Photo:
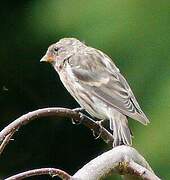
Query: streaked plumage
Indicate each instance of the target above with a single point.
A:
(96, 83)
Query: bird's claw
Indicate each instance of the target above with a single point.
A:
(100, 130)
(78, 122)
(75, 122)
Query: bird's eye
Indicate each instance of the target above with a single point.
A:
(56, 49)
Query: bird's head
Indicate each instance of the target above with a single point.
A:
(57, 53)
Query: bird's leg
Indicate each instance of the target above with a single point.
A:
(78, 110)
(100, 123)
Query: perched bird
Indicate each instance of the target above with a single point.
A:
(95, 82)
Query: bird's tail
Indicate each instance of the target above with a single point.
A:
(119, 126)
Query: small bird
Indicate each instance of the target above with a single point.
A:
(95, 82)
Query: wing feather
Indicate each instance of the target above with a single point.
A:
(104, 81)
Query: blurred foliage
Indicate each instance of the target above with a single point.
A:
(136, 33)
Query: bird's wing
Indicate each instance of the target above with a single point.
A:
(103, 80)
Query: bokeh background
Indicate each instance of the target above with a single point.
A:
(135, 33)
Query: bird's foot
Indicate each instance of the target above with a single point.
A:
(97, 136)
(78, 110)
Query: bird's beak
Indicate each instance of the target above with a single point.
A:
(47, 58)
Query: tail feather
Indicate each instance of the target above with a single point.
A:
(119, 126)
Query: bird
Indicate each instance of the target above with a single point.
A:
(95, 82)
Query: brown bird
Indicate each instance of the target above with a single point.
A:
(95, 82)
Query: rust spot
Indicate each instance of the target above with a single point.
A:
(50, 58)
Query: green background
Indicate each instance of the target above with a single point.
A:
(135, 33)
